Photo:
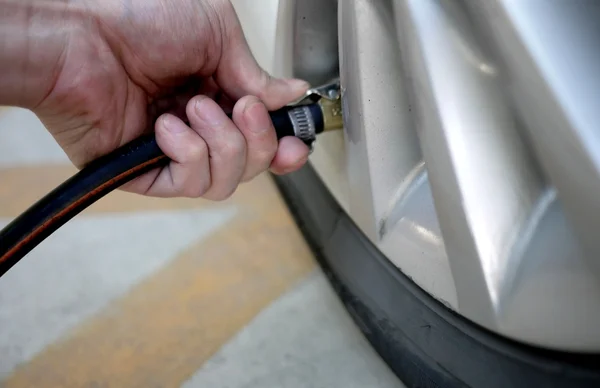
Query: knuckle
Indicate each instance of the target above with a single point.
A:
(179, 190)
(264, 157)
(203, 187)
(196, 150)
(262, 81)
(220, 193)
(251, 175)
(195, 189)
(233, 148)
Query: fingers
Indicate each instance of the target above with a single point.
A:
(211, 156)
(188, 173)
(252, 118)
(291, 155)
(226, 146)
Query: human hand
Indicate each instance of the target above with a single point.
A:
(129, 67)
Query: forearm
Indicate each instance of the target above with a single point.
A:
(34, 37)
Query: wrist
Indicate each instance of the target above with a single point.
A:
(34, 38)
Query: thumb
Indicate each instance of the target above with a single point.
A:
(239, 75)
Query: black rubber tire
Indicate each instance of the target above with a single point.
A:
(425, 343)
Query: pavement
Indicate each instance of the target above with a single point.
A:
(147, 292)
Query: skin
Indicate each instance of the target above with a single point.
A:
(99, 73)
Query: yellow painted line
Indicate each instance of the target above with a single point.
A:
(168, 326)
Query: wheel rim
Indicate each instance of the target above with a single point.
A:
(464, 127)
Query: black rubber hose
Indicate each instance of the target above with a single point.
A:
(93, 182)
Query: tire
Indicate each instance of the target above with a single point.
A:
(424, 342)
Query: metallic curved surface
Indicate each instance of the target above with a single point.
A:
(470, 155)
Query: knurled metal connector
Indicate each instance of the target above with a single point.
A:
(327, 99)
(303, 123)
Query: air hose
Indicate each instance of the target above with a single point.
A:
(111, 171)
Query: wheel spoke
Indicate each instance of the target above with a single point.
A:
(470, 153)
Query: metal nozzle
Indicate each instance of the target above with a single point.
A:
(319, 110)
(328, 98)
(332, 114)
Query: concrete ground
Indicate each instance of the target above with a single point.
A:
(142, 292)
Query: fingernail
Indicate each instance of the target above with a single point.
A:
(172, 125)
(210, 112)
(249, 104)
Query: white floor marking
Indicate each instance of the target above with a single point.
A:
(304, 339)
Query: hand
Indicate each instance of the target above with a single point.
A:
(134, 66)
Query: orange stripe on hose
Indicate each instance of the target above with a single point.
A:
(73, 205)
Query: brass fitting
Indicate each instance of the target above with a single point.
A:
(328, 98)
(332, 113)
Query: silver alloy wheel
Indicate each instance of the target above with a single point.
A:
(470, 155)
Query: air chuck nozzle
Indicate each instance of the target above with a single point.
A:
(331, 110)
(320, 110)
